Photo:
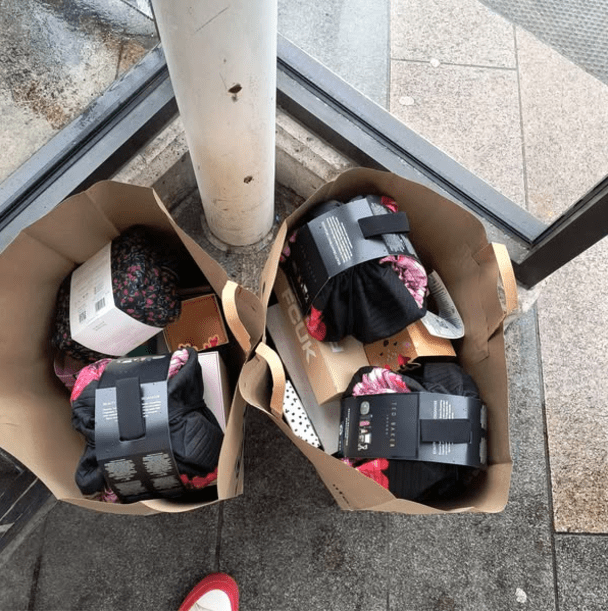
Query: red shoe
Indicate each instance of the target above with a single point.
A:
(216, 592)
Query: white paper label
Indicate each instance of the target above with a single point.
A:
(95, 322)
(443, 410)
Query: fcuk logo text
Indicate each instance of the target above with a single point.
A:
(296, 320)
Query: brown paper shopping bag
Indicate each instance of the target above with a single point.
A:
(35, 410)
(479, 278)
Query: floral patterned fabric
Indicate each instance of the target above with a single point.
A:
(144, 285)
(423, 482)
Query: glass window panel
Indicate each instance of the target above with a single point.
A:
(56, 58)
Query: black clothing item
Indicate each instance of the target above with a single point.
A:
(420, 481)
(368, 301)
(196, 437)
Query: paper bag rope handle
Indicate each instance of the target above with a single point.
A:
(232, 315)
(277, 373)
(507, 275)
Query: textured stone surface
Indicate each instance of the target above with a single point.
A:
(350, 37)
(18, 572)
(101, 561)
(575, 358)
(576, 28)
(54, 60)
(565, 126)
(582, 572)
(462, 33)
(470, 113)
(287, 543)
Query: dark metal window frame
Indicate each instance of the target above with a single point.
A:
(138, 105)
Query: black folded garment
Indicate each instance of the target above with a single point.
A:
(370, 301)
(420, 481)
(144, 286)
(196, 437)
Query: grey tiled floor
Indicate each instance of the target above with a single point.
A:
(284, 539)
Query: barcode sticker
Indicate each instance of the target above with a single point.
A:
(95, 321)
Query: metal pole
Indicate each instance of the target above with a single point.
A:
(222, 63)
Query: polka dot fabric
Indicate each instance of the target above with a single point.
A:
(423, 482)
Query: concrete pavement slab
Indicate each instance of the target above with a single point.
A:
(464, 33)
(289, 545)
(18, 572)
(574, 357)
(92, 560)
(565, 126)
(349, 36)
(582, 572)
(576, 28)
(470, 113)
(490, 562)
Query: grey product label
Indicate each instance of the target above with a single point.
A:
(129, 489)
(139, 468)
(387, 426)
(158, 465)
(381, 426)
(451, 407)
(165, 483)
(340, 241)
(396, 243)
(121, 470)
(331, 244)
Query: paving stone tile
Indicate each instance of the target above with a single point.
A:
(470, 113)
(582, 572)
(459, 33)
(98, 561)
(350, 37)
(565, 126)
(574, 359)
(576, 28)
(18, 572)
(289, 545)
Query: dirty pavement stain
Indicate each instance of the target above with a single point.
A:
(57, 57)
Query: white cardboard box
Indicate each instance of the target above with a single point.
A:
(216, 386)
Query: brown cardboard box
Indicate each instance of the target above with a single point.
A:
(413, 342)
(453, 242)
(325, 417)
(35, 410)
(330, 366)
(200, 325)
